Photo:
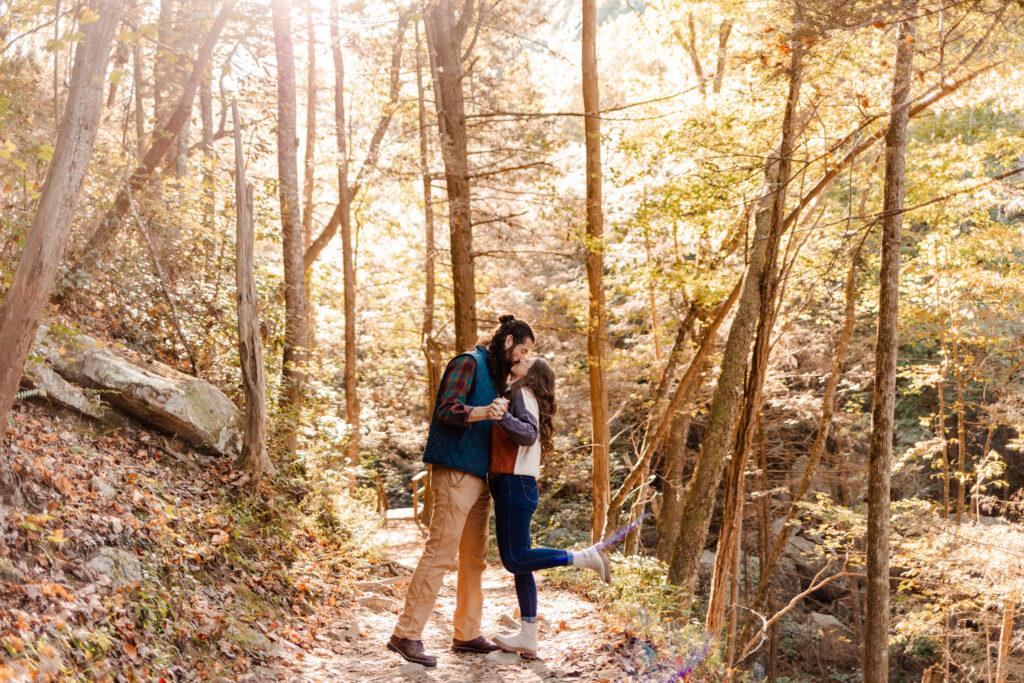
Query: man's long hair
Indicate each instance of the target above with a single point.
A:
(498, 364)
(540, 380)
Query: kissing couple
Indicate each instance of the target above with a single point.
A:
(491, 424)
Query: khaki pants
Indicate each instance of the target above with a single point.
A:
(458, 526)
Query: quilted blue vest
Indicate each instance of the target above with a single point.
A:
(466, 448)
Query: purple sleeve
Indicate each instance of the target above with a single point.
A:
(519, 423)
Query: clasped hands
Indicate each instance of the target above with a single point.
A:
(497, 409)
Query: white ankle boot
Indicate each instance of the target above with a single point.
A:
(523, 643)
(593, 558)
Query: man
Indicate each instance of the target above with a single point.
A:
(459, 448)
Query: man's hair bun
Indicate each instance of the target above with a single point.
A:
(507, 318)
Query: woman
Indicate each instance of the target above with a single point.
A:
(518, 440)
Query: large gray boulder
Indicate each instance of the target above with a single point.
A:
(152, 392)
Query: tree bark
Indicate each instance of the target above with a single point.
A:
(162, 141)
(672, 486)
(687, 386)
(940, 390)
(876, 623)
(444, 38)
(1005, 639)
(254, 459)
(206, 113)
(430, 346)
(370, 161)
(691, 48)
(309, 171)
(292, 375)
(138, 81)
(33, 279)
(596, 322)
(724, 29)
(428, 343)
(828, 405)
(658, 408)
(729, 538)
(961, 428)
(718, 439)
(348, 262)
(163, 59)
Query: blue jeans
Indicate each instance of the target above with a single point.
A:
(515, 501)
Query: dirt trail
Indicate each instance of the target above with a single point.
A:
(575, 645)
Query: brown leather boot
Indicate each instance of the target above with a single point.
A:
(412, 650)
(478, 645)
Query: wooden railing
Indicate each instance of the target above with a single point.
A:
(418, 490)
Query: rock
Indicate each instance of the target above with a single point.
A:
(826, 622)
(508, 621)
(120, 566)
(155, 393)
(349, 633)
(9, 573)
(410, 669)
(56, 389)
(249, 638)
(376, 603)
(502, 658)
(100, 486)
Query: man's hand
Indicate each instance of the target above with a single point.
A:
(494, 411)
(497, 409)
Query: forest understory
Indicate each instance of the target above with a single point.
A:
(771, 252)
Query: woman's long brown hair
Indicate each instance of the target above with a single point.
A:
(540, 380)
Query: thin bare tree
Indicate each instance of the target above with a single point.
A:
(883, 400)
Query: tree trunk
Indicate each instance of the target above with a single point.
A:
(596, 322)
(685, 390)
(138, 81)
(1005, 639)
(206, 112)
(309, 175)
(724, 29)
(444, 38)
(729, 538)
(876, 623)
(659, 404)
(348, 262)
(961, 428)
(253, 460)
(672, 485)
(718, 439)
(691, 48)
(940, 390)
(163, 57)
(46, 241)
(161, 142)
(292, 377)
(56, 61)
(431, 348)
(372, 154)
(774, 558)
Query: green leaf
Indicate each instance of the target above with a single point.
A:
(88, 16)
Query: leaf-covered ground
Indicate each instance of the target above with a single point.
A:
(133, 558)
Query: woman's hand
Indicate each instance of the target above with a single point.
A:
(497, 409)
